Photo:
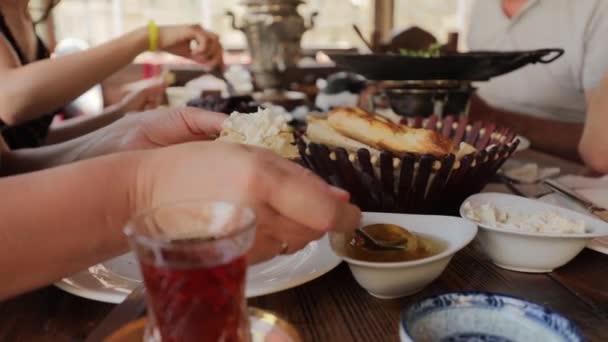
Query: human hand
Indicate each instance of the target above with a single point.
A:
(141, 95)
(292, 205)
(152, 129)
(177, 39)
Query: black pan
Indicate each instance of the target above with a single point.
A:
(469, 66)
(421, 102)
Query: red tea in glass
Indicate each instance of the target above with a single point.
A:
(192, 257)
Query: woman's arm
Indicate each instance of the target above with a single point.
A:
(148, 96)
(593, 146)
(31, 90)
(34, 159)
(59, 221)
(45, 216)
(151, 129)
(554, 137)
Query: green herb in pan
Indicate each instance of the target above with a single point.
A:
(432, 51)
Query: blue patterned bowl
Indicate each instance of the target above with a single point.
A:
(487, 317)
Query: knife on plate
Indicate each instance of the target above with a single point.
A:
(130, 309)
(594, 209)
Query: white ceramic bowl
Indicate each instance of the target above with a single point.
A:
(179, 96)
(531, 252)
(479, 316)
(397, 279)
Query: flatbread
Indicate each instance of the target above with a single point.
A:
(357, 124)
(319, 131)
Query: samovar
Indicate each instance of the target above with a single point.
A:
(274, 30)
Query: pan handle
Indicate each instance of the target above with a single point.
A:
(557, 53)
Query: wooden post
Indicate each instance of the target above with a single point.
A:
(383, 22)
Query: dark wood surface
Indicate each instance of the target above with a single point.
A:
(335, 308)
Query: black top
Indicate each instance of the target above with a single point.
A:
(32, 133)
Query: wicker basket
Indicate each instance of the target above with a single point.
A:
(415, 183)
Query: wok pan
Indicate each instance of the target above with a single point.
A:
(469, 66)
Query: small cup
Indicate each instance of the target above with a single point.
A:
(192, 258)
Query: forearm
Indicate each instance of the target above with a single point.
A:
(34, 159)
(36, 88)
(100, 142)
(554, 137)
(79, 126)
(593, 146)
(59, 221)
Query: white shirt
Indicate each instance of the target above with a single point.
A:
(551, 91)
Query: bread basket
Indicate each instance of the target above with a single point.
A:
(415, 183)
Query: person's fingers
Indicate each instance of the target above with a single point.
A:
(163, 127)
(203, 39)
(299, 171)
(158, 94)
(297, 199)
(208, 50)
(214, 50)
(210, 47)
(264, 248)
(202, 122)
(294, 235)
(216, 62)
(300, 196)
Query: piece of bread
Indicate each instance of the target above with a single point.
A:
(319, 131)
(381, 134)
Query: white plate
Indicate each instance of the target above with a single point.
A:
(113, 280)
(524, 144)
(598, 244)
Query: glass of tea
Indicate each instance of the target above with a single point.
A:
(192, 258)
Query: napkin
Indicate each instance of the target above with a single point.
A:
(530, 173)
(595, 190)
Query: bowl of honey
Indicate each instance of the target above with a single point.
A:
(431, 242)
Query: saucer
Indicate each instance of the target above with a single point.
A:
(265, 327)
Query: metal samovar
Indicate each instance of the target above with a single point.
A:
(274, 30)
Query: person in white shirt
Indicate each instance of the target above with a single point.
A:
(560, 106)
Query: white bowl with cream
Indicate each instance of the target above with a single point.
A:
(398, 279)
(550, 237)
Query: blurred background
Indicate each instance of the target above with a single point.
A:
(384, 24)
(96, 21)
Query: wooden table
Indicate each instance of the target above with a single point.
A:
(335, 308)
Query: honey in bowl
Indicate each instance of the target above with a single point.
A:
(418, 246)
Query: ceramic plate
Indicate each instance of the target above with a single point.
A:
(113, 280)
(524, 144)
(598, 244)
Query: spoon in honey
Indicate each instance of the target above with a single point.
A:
(392, 240)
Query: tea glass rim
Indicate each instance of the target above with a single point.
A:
(130, 229)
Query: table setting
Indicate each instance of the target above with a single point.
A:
(423, 271)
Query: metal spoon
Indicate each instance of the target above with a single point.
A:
(591, 207)
(397, 245)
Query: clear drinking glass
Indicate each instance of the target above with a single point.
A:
(192, 258)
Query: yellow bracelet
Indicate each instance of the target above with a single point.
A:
(152, 36)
